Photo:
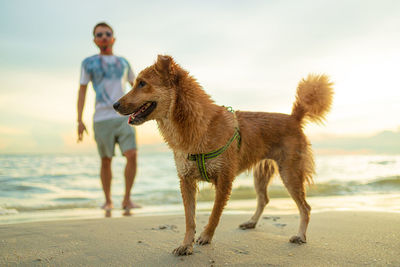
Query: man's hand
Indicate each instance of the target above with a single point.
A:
(81, 130)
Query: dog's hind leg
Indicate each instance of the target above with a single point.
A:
(223, 191)
(294, 179)
(263, 172)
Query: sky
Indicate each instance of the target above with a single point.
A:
(246, 54)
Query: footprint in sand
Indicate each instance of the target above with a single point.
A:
(280, 225)
(274, 218)
(240, 251)
(166, 227)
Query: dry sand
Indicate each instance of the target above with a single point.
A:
(334, 239)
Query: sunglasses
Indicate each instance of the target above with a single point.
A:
(100, 34)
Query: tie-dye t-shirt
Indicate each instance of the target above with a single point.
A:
(109, 76)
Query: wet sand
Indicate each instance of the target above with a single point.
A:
(337, 238)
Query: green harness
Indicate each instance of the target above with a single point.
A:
(200, 158)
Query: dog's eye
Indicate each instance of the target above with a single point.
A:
(141, 84)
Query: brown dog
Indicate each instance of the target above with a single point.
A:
(191, 123)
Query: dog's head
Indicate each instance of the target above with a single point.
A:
(152, 92)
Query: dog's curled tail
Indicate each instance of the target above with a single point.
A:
(313, 99)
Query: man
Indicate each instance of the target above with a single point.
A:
(109, 75)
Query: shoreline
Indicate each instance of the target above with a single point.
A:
(373, 203)
(338, 238)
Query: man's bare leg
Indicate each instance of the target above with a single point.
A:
(106, 176)
(130, 173)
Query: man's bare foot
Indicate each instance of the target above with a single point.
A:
(128, 205)
(107, 206)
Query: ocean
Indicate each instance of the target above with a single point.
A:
(56, 187)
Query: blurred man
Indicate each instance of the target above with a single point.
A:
(109, 75)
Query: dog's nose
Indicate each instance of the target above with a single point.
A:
(116, 105)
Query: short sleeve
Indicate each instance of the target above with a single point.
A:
(85, 76)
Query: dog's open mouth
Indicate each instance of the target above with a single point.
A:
(141, 113)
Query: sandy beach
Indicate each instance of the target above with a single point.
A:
(337, 238)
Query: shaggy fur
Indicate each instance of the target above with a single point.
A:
(191, 123)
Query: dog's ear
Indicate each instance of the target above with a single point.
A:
(164, 64)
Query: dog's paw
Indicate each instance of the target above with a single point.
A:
(248, 225)
(203, 239)
(298, 240)
(183, 250)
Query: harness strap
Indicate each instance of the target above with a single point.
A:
(200, 158)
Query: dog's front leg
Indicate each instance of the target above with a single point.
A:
(189, 192)
(223, 191)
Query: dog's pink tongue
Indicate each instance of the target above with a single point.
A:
(132, 116)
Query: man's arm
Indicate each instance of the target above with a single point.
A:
(81, 104)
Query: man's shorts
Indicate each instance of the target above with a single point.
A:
(111, 131)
